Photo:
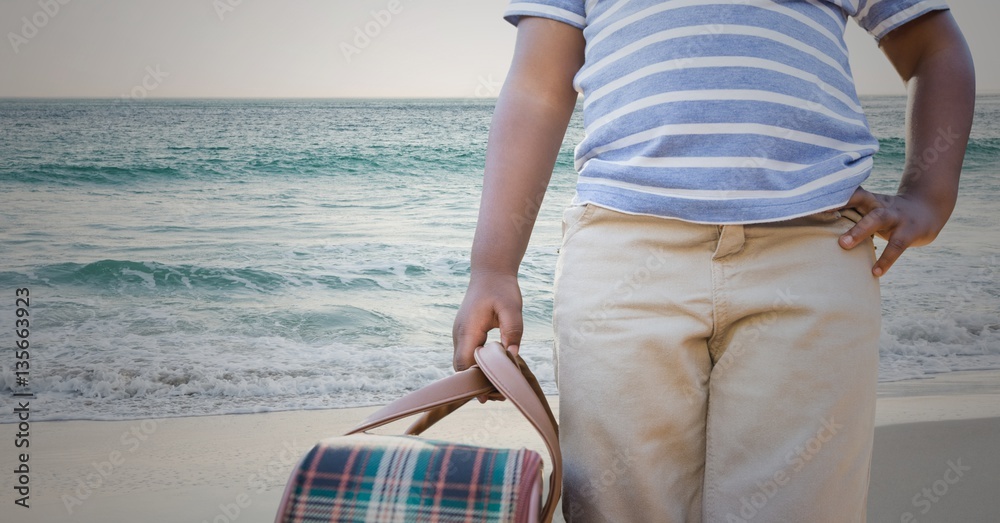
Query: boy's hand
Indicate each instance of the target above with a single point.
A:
(492, 301)
(933, 60)
(903, 221)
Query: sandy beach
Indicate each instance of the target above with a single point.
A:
(937, 458)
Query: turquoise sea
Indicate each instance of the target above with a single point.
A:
(192, 257)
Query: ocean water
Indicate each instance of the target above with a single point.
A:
(193, 257)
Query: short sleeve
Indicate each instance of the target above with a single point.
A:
(571, 12)
(879, 17)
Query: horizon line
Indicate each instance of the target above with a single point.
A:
(161, 98)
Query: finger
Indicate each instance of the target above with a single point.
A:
(511, 328)
(862, 200)
(876, 220)
(464, 354)
(466, 338)
(893, 250)
(493, 396)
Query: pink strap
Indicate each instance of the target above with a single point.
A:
(503, 372)
(455, 389)
(495, 370)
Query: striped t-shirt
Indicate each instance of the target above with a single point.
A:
(721, 111)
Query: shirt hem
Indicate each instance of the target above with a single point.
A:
(840, 204)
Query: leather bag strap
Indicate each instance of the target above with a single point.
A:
(495, 370)
(512, 378)
(451, 392)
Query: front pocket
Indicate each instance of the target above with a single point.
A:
(573, 217)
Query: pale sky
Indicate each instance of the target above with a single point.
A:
(272, 48)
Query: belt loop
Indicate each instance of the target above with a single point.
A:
(731, 241)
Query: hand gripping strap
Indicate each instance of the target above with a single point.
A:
(496, 369)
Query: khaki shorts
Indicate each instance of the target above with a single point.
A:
(714, 373)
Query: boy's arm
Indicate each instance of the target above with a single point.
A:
(529, 122)
(931, 56)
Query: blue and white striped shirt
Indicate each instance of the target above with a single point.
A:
(721, 111)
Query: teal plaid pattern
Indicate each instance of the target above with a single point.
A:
(374, 479)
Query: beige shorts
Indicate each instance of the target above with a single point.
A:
(714, 373)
